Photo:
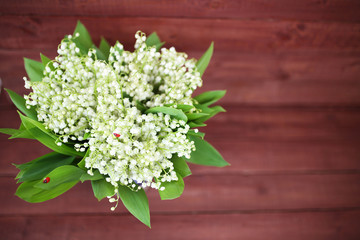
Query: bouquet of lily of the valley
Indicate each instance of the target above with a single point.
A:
(123, 120)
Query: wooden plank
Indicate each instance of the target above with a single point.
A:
(222, 192)
(268, 124)
(246, 157)
(285, 124)
(186, 34)
(336, 10)
(285, 78)
(296, 226)
(253, 140)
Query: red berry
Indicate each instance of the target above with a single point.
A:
(46, 180)
(116, 135)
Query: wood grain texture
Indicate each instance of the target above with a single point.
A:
(302, 78)
(292, 72)
(281, 124)
(205, 193)
(334, 10)
(246, 157)
(253, 140)
(296, 226)
(185, 34)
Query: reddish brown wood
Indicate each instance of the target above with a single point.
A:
(285, 78)
(186, 34)
(246, 157)
(297, 226)
(222, 192)
(285, 124)
(291, 131)
(268, 124)
(253, 140)
(335, 10)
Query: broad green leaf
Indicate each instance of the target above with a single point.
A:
(205, 59)
(42, 166)
(99, 54)
(173, 189)
(102, 188)
(205, 154)
(154, 40)
(105, 47)
(60, 175)
(9, 131)
(137, 203)
(19, 102)
(213, 111)
(22, 168)
(83, 42)
(29, 193)
(30, 123)
(173, 112)
(196, 124)
(44, 59)
(97, 176)
(195, 116)
(34, 69)
(23, 165)
(22, 134)
(185, 108)
(81, 164)
(208, 98)
(180, 166)
(41, 134)
(197, 134)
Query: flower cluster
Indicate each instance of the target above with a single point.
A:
(94, 102)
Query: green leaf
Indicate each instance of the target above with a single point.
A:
(154, 40)
(205, 154)
(38, 131)
(173, 112)
(137, 203)
(23, 166)
(44, 59)
(30, 123)
(102, 188)
(197, 134)
(185, 108)
(9, 131)
(60, 175)
(83, 42)
(19, 102)
(86, 135)
(43, 165)
(195, 116)
(196, 124)
(140, 106)
(81, 164)
(213, 111)
(34, 69)
(97, 176)
(99, 54)
(180, 166)
(22, 134)
(210, 97)
(29, 193)
(205, 59)
(173, 189)
(105, 47)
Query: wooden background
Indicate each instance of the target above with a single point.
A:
(291, 133)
